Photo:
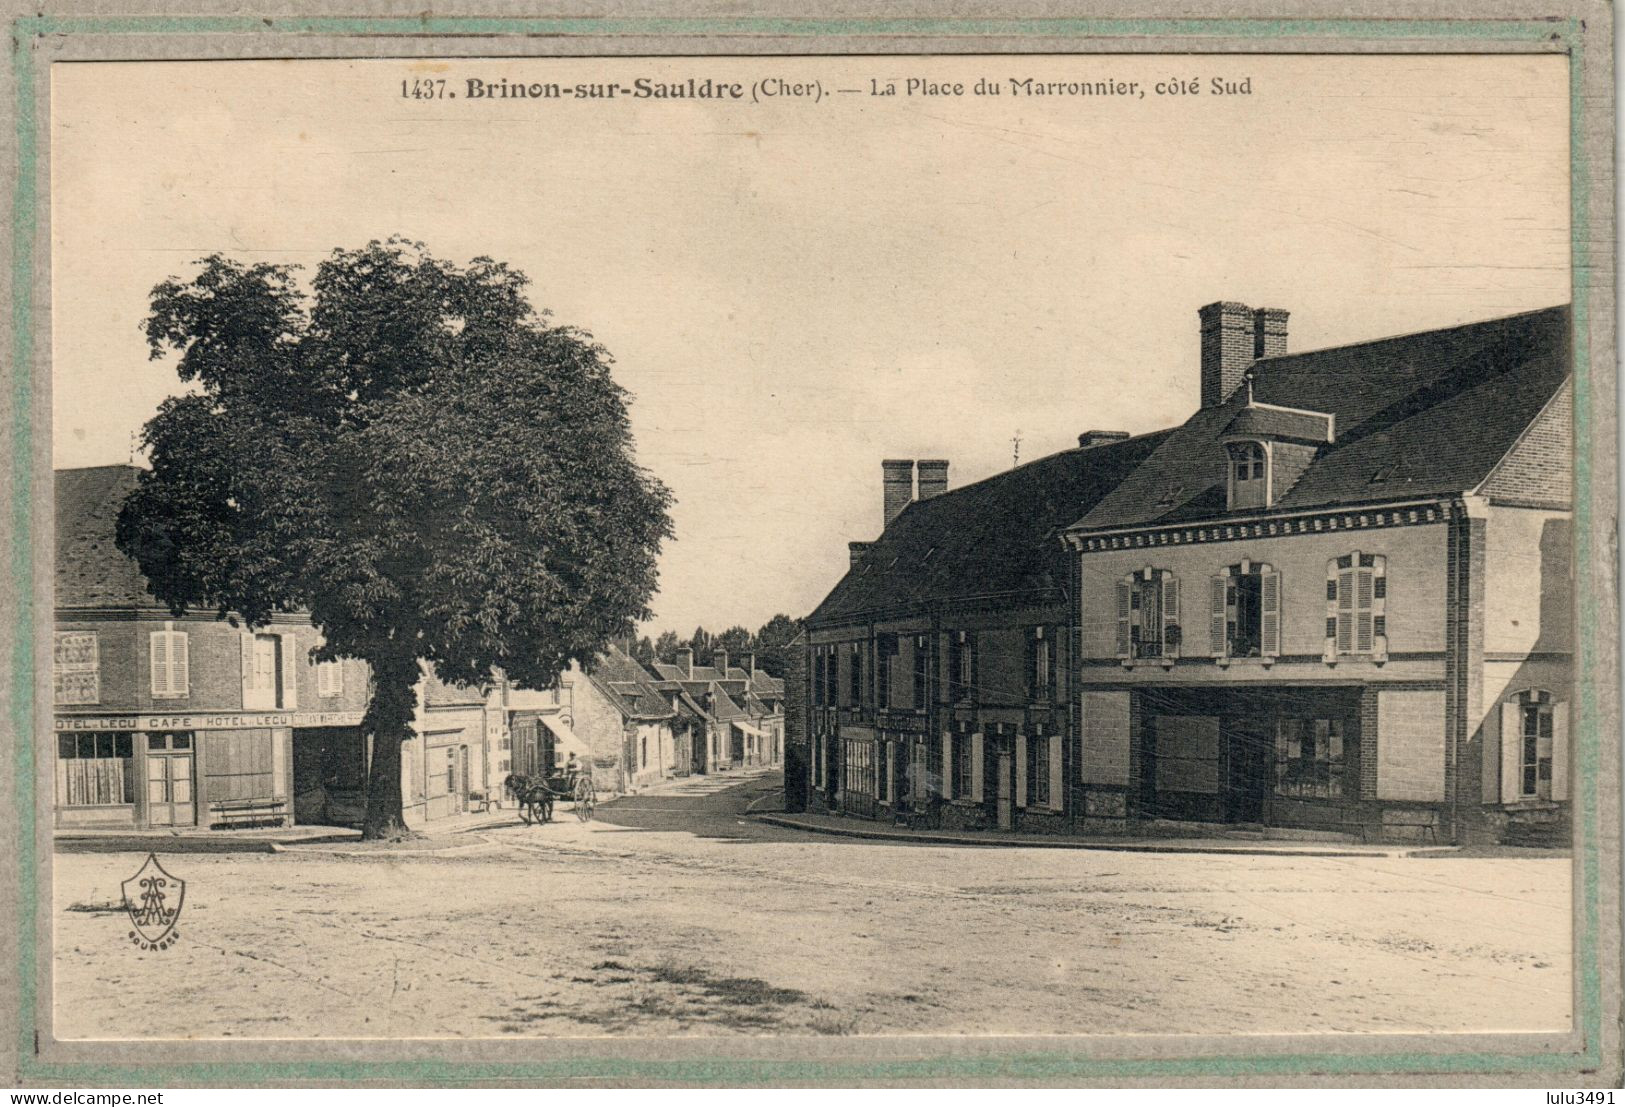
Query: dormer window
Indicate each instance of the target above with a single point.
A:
(1249, 475)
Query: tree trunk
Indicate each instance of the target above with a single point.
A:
(389, 721)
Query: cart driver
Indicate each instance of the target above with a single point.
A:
(572, 767)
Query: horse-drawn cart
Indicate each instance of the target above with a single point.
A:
(537, 795)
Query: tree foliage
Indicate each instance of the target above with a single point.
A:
(409, 452)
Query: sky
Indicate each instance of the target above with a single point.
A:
(794, 288)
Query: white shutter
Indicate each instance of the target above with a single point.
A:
(947, 766)
(290, 673)
(1171, 632)
(1511, 753)
(1269, 620)
(1021, 770)
(1124, 605)
(158, 658)
(1379, 608)
(1216, 628)
(976, 767)
(1056, 780)
(180, 664)
(1345, 611)
(250, 697)
(1560, 751)
(1363, 596)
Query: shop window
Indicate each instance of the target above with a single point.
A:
(1309, 758)
(76, 668)
(95, 770)
(1148, 615)
(1245, 611)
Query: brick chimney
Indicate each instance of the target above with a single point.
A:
(685, 662)
(749, 663)
(1099, 438)
(719, 662)
(897, 488)
(1269, 332)
(1233, 337)
(933, 477)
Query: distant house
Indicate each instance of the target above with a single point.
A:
(739, 712)
(940, 666)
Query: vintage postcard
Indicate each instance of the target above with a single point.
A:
(748, 550)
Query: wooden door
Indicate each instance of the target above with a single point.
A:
(169, 790)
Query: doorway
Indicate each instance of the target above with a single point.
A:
(169, 780)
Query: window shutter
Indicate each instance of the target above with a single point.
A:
(1379, 609)
(1124, 602)
(1171, 632)
(1333, 591)
(975, 667)
(976, 767)
(158, 651)
(180, 664)
(1055, 777)
(1560, 751)
(290, 673)
(1030, 666)
(1054, 675)
(1021, 770)
(1345, 611)
(947, 766)
(1270, 614)
(1511, 753)
(1363, 594)
(1217, 635)
(250, 698)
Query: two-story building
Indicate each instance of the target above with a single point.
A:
(1338, 596)
(940, 665)
(166, 722)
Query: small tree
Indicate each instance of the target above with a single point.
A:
(412, 455)
(771, 641)
(666, 647)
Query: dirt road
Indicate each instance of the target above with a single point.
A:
(676, 914)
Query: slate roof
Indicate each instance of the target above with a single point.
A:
(996, 536)
(90, 570)
(628, 686)
(1416, 415)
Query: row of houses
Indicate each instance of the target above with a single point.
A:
(1337, 598)
(165, 722)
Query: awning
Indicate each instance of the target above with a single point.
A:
(747, 728)
(567, 742)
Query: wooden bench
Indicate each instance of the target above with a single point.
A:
(241, 812)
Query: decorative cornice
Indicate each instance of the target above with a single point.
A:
(1324, 521)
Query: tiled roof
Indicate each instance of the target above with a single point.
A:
(997, 536)
(1417, 415)
(628, 686)
(90, 570)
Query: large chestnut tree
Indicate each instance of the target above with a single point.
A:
(409, 452)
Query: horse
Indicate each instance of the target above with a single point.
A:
(534, 797)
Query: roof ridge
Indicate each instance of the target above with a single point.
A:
(1274, 359)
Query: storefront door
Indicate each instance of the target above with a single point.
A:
(169, 789)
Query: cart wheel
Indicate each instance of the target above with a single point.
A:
(585, 799)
